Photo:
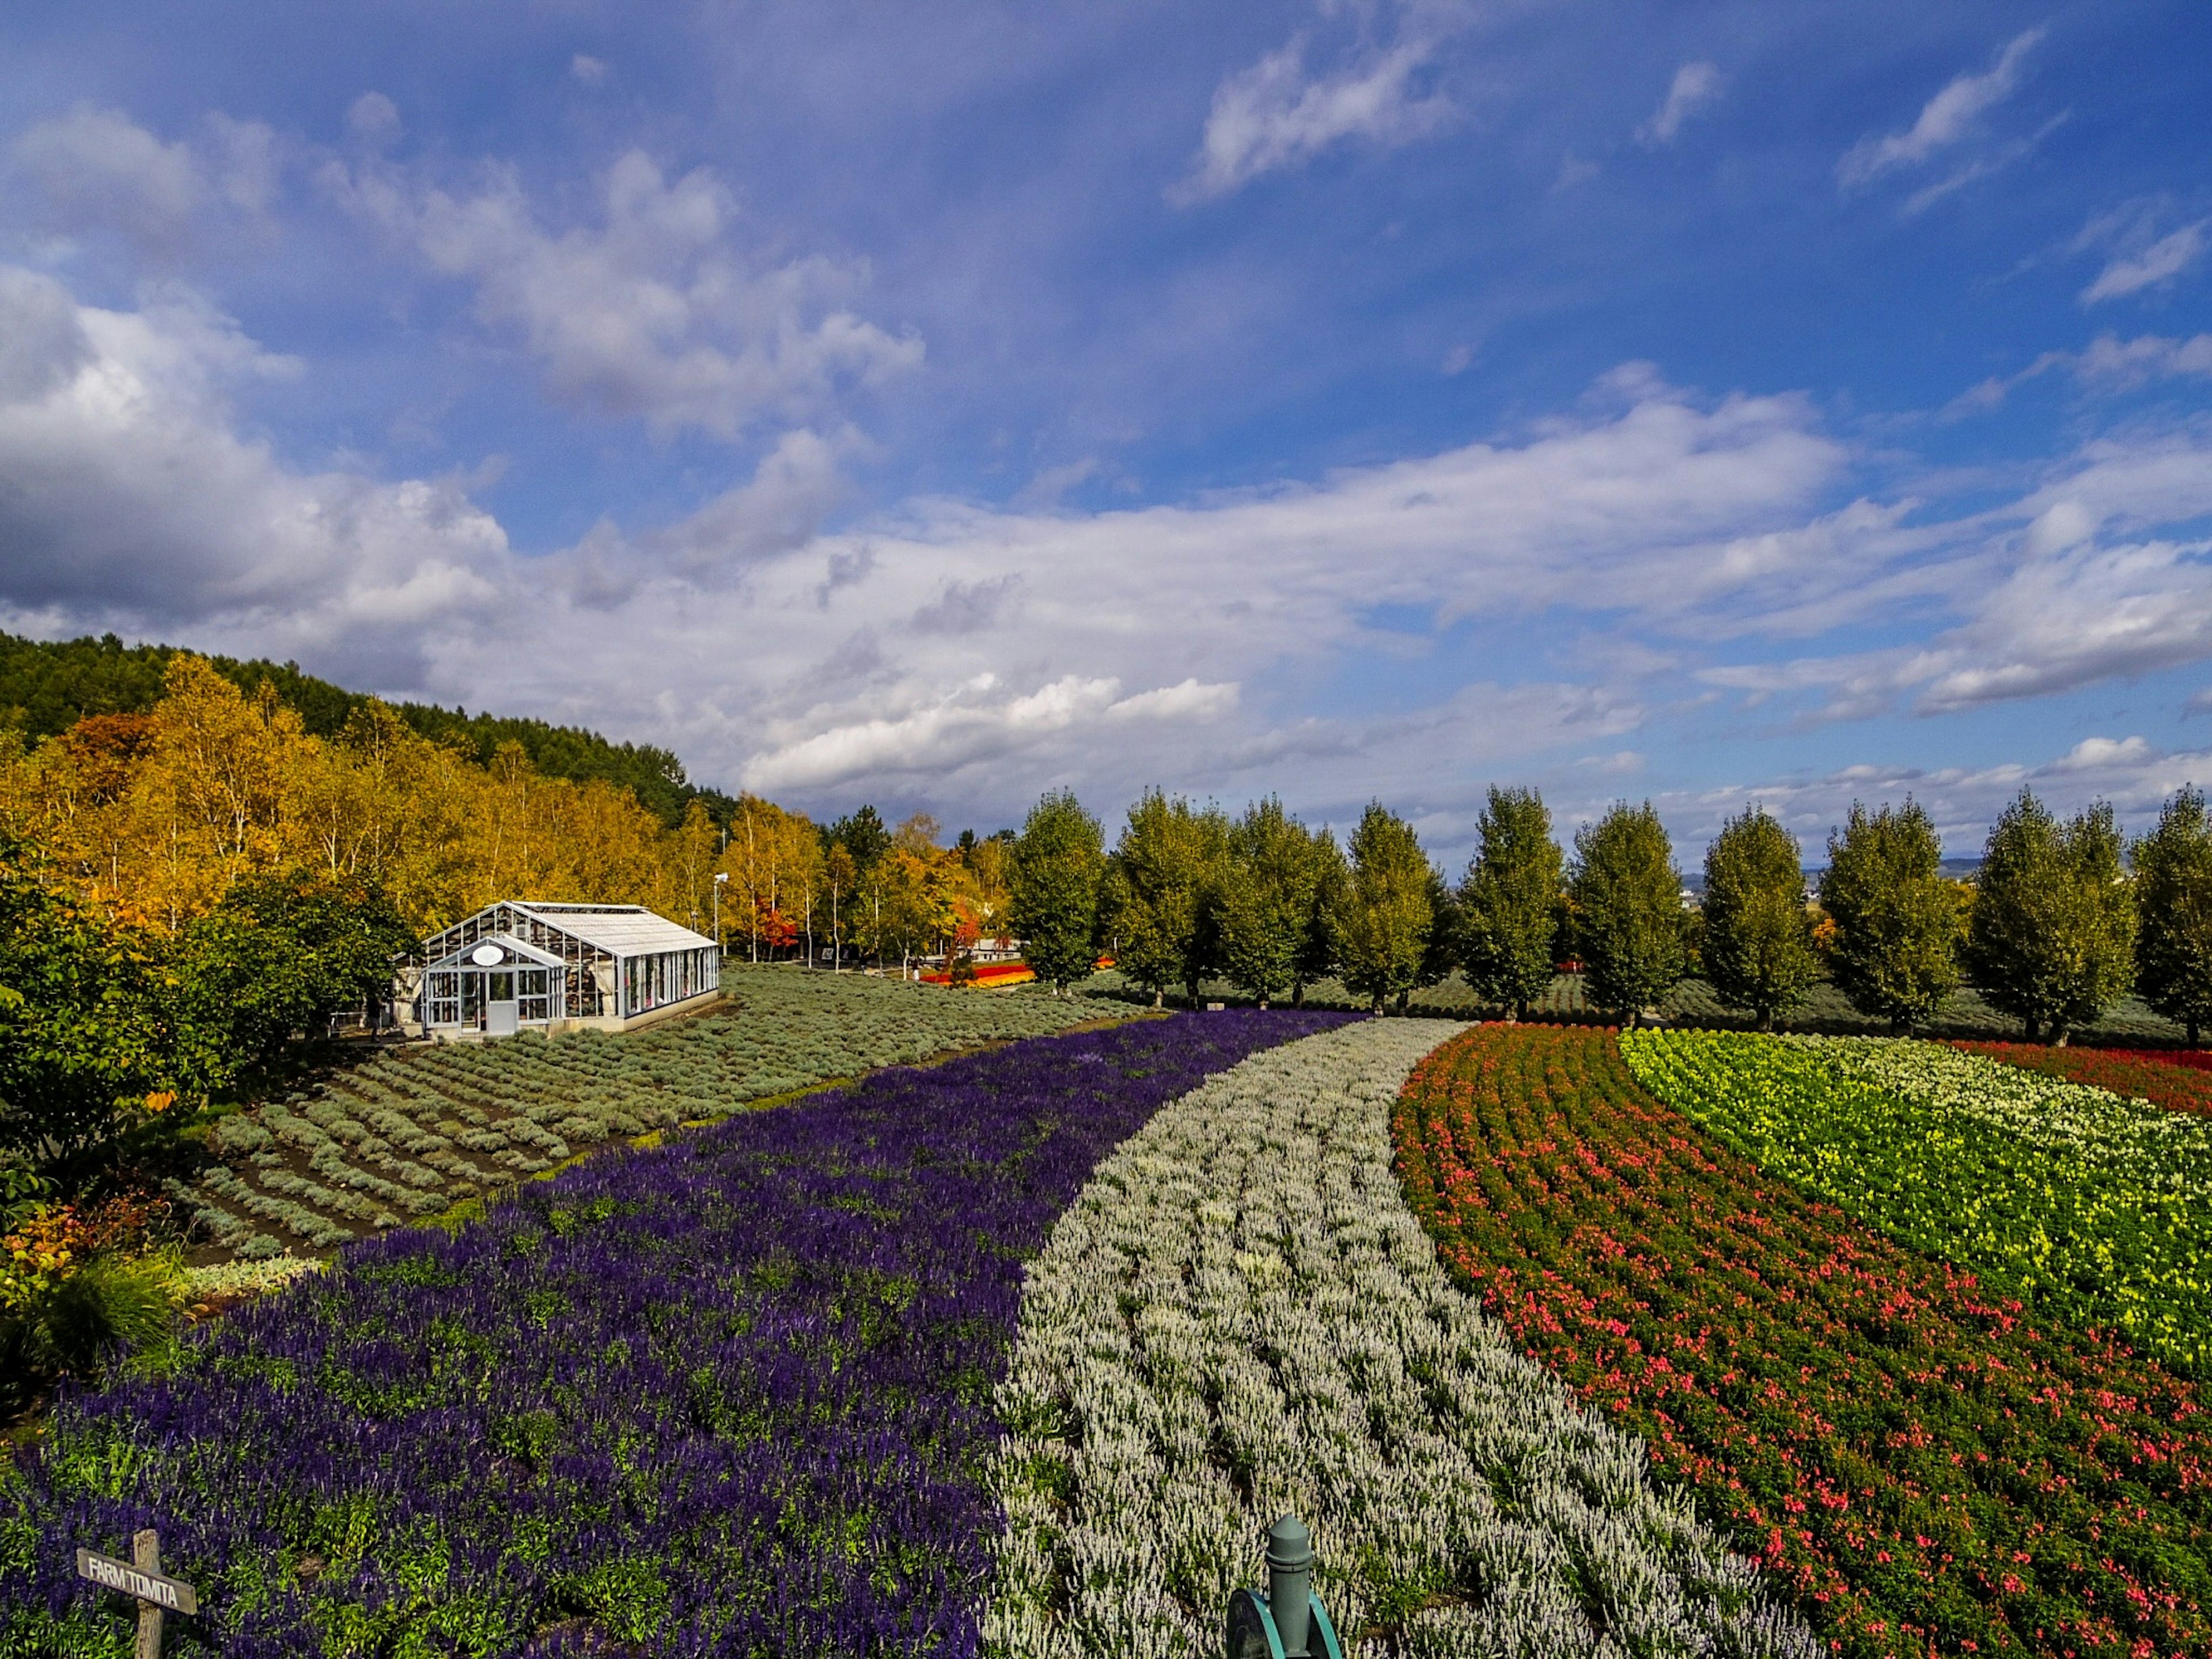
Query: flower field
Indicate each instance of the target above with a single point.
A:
(2176, 1078)
(2089, 1207)
(409, 1134)
(1928, 1467)
(1241, 1316)
(730, 1394)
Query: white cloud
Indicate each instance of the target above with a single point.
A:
(2154, 267)
(2056, 590)
(2106, 364)
(128, 498)
(1945, 120)
(96, 169)
(961, 658)
(587, 70)
(374, 119)
(1695, 86)
(1279, 114)
(654, 313)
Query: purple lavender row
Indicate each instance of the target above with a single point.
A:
(730, 1395)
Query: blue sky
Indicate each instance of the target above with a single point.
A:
(932, 406)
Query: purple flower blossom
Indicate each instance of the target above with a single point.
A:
(729, 1395)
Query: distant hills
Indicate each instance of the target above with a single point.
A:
(48, 686)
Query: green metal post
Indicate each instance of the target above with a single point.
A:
(1290, 1582)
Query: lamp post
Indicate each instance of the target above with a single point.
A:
(721, 876)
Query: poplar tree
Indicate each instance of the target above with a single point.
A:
(1896, 950)
(2053, 933)
(1758, 943)
(1058, 859)
(1315, 957)
(1160, 893)
(1384, 915)
(1266, 900)
(2173, 894)
(1509, 904)
(1628, 898)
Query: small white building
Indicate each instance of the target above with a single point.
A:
(520, 965)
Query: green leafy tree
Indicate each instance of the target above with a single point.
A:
(82, 1040)
(1385, 914)
(2052, 937)
(2173, 895)
(1161, 893)
(1628, 904)
(863, 836)
(1895, 951)
(275, 959)
(1757, 942)
(1509, 904)
(1266, 900)
(1058, 861)
(1315, 955)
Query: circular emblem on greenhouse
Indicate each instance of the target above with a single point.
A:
(486, 956)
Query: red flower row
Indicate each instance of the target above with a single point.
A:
(1928, 1471)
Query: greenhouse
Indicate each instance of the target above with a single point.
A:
(522, 965)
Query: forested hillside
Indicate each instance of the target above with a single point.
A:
(48, 686)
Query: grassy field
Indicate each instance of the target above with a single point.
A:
(1965, 1016)
(404, 1135)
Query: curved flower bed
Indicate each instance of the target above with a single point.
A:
(2093, 1208)
(2175, 1078)
(1928, 1468)
(1239, 1317)
(411, 1132)
(729, 1395)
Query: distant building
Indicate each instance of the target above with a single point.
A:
(522, 965)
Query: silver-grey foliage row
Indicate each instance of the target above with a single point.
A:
(1239, 1317)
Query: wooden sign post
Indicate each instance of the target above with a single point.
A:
(141, 1576)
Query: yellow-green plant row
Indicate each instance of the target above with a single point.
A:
(407, 1135)
(2091, 1207)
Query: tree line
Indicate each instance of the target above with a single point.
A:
(48, 686)
(2063, 919)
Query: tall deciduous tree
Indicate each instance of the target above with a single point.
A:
(1758, 946)
(1385, 914)
(2173, 896)
(1161, 891)
(1628, 897)
(1315, 957)
(1509, 903)
(2053, 933)
(1895, 953)
(1058, 861)
(1266, 900)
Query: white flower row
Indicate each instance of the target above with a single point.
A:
(1240, 1317)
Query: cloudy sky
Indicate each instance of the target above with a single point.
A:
(932, 405)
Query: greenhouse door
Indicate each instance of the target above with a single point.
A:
(500, 1013)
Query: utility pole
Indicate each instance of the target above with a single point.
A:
(722, 880)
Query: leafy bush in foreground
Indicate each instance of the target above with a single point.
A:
(408, 1134)
(2092, 1208)
(1240, 1316)
(730, 1395)
(1929, 1470)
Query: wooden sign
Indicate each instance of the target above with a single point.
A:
(143, 1579)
